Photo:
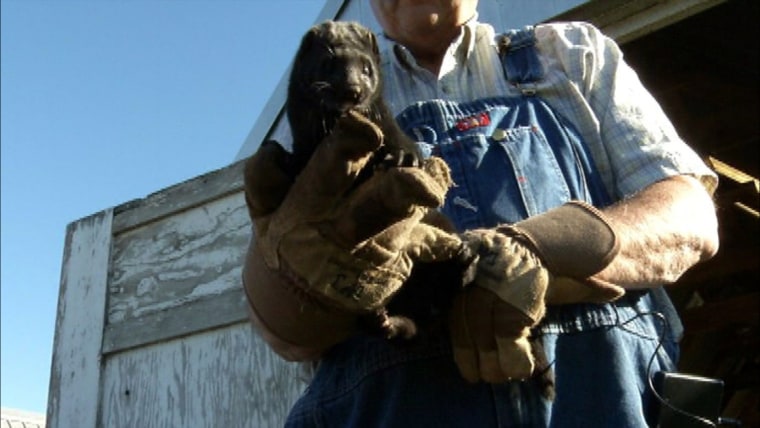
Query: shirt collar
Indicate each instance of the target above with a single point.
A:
(459, 49)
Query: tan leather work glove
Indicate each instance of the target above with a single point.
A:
(548, 258)
(336, 245)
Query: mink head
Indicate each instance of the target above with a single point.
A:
(335, 70)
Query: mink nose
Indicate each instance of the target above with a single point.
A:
(353, 93)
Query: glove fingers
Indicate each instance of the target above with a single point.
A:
(472, 335)
(267, 179)
(410, 186)
(491, 367)
(467, 362)
(385, 198)
(509, 321)
(515, 357)
(465, 356)
(481, 318)
(335, 165)
(480, 308)
(510, 330)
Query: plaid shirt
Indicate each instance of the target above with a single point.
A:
(586, 80)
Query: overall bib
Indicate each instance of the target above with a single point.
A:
(511, 158)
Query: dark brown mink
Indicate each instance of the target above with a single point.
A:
(337, 69)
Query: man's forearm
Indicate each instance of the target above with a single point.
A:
(663, 230)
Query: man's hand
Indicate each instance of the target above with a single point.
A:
(548, 259)
(339, 246)
(351, 244)
(490, 322)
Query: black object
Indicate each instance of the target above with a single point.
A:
(688, 400)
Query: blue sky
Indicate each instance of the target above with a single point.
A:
(104, 102)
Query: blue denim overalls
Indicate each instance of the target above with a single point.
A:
(510, 158)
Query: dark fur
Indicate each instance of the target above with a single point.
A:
(337, 69)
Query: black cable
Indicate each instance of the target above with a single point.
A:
(660, 340)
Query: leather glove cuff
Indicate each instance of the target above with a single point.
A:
(573, 240)
(295, 325)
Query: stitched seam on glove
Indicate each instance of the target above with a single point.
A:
(300, 288)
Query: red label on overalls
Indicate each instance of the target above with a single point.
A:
(481, 119)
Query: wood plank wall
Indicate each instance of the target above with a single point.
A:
(153, 326)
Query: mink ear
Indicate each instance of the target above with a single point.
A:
(308, 39)
(373, 43)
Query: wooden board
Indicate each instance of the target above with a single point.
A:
(219, 378)
(75, 372)
(183, 259)
(152, 326)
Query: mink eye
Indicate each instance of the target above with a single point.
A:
(367, 69)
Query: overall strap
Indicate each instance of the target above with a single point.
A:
(519, 58)
(523, 69)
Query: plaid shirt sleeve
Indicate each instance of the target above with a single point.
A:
(638, 145)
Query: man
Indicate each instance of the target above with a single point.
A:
(543, 124)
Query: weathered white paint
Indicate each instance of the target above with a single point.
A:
(180, 197)
(75, 371)
(179, 259)
(152, 303)
(201, 315)
(221, 378)
(155, 307)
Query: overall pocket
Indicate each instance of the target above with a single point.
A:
(510, 158)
